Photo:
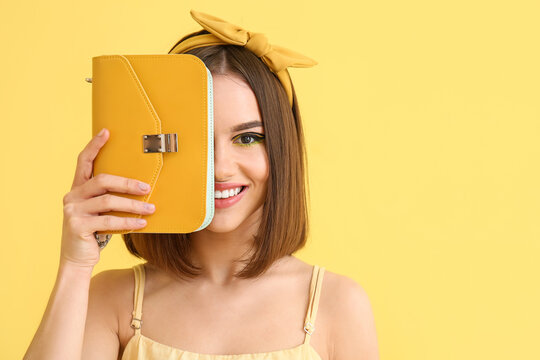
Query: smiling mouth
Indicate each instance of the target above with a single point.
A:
(242, 188)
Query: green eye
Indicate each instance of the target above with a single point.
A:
(257, 138)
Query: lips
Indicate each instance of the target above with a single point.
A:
(227, 186)
(225, 203)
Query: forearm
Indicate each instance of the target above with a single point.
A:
(61, 332)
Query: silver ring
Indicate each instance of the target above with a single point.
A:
(99, 238)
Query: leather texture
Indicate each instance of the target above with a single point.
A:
(137, 95)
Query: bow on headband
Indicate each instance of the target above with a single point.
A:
(277, 58)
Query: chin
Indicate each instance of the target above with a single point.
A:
(228, 220)
(223, 224)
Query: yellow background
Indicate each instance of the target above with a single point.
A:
(422, 124)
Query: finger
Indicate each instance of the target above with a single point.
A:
(109, 202)
(110, 223)
(103, 183)
(85, 160)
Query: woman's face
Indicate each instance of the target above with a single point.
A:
(240, 157)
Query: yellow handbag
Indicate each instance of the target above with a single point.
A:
(159, 112)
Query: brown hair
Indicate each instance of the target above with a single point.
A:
(284, 224)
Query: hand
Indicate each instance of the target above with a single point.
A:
(88, 197)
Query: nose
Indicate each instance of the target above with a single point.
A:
(224, 163)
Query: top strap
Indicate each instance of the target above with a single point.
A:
(136, 321)
(314, 294)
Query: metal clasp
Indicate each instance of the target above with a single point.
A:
(160, 143)
(311, 327)
(88, 80)
(133, 325)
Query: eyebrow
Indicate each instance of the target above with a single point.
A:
(247, 125)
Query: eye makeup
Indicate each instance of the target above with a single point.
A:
(258, 138)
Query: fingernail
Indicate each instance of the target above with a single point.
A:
(141, 221)
(101, 132)
(149, 206)
(144, 186)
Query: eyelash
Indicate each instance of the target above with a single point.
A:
(259, 138)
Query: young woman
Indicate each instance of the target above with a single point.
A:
(232, 290)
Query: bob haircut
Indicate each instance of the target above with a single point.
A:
(284, 224)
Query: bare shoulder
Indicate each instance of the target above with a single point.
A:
(113, 284)
(118, 277)
(351, 324)
(108, 292)
(111, 293)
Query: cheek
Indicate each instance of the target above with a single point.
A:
(258, 168)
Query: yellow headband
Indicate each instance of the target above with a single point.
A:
(275, 57)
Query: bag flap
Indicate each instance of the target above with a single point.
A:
(136, 95)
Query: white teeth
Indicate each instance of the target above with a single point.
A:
(226, 193)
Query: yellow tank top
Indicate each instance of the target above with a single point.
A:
(140, 347)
